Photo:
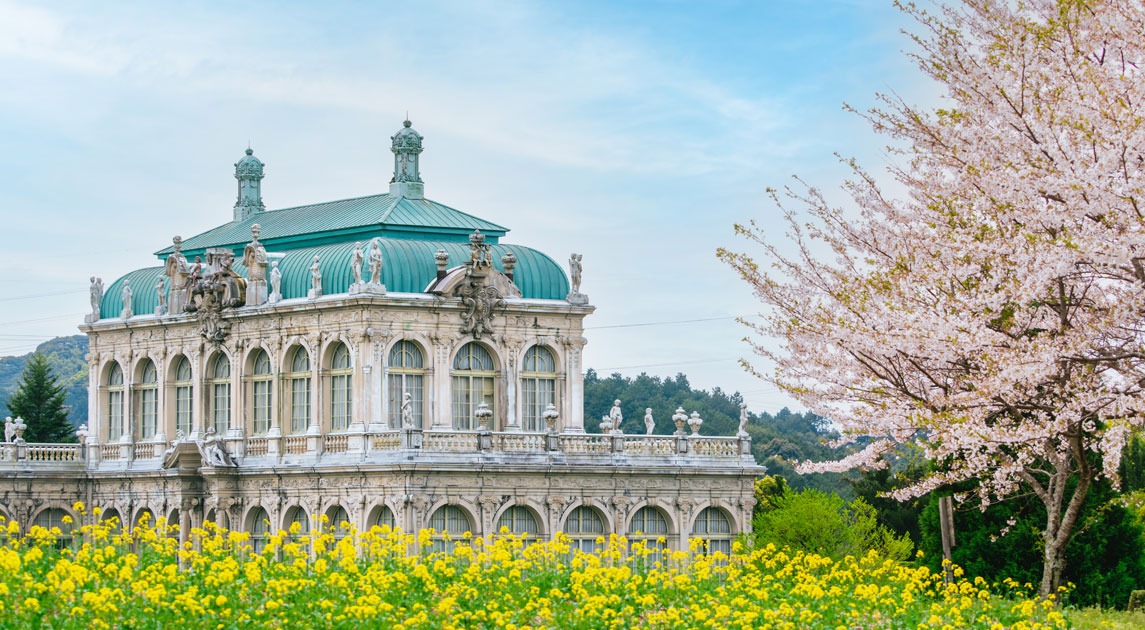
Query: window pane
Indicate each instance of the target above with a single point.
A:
(183, 409)
(299, 404)
(261, 406)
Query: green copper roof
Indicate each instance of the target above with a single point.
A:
(408, 266)
(346, 220)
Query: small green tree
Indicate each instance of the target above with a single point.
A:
(819, 522)
(39, 400)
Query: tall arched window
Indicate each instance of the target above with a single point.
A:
(340, 396)
(649, 526)
(299, 379)
(183, 396)
(474, 379)
(114, 402)
(386, 518)
(538, 387)
(148, 401)
(53, 519)
(406, 376)
(713, 526)
(260, 394)
(448, 520)
(584, 526)
(338, 522)
(221, 393)
(259, 529)
(519, 520)
(297, 523)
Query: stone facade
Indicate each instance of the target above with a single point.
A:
(459, 406)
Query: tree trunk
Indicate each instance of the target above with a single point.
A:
(1059, 528)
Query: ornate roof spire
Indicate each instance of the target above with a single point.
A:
(406, 146)
(248, 171)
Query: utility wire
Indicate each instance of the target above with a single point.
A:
(40, 295)
(679, 321)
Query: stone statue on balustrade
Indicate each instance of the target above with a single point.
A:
(315, 281)
(125, 295)
(161, 295)
(356, 259)
(575, 267)
(254, 258)
(96, 295)
(742, 421)
(407, 411)
(177, 271)
(615, 416)
(374, 260)
(275, 283)
(649, 422)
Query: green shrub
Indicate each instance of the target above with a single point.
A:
(818, 522)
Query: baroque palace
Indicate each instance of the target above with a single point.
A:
(385, 360)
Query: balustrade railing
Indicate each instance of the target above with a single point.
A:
(54, 452)
(449, 442)
(681, 448)
(257, 446)
(337, 443)
(294, 445)
(386, 441)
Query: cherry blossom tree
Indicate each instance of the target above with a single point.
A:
(991, 315)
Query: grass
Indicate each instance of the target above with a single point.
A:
(1094, 618)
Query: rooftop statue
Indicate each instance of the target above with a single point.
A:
(254, 257)
(575, 267)
(315, 281)
(275, 283)
(177, 271)
(96, 294)
(125, 295)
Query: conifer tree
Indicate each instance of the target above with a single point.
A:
(39, 400)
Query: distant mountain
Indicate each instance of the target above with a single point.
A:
(66, 356)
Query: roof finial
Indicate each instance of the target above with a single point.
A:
(248, 171)
(406, 146)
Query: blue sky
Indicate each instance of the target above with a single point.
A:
(636, 133)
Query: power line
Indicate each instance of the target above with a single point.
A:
(630, 367)
(42, 319)
(679, 321)
(29, 297)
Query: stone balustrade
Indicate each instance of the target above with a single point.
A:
(404, 445)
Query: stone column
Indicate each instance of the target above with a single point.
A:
(442, 410)
(512, 347)
(572, 408)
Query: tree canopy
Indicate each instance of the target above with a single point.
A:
(39, 400)
(992, 316)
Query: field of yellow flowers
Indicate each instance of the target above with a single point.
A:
(100, 577)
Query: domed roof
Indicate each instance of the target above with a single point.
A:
(249, 166)
(408, 266)
(407, 138)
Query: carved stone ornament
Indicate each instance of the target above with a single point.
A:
(479, 299)
(213, 288)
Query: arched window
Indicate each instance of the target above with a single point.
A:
(148, 401)
(299, 379)
(406, 376)
(143, 517)
(448, 520)
(519, 520)
(474, 379)
(111, 518)
(183, 396)
(386, 518)
(221, 393)
(538, 387)
(338, 522)
(260, 394)
(297, 523)
(649, 526)
(114, 402)
(54, 519)
(259, 529)
(584, 526)
(340, 395)
(713, 526)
